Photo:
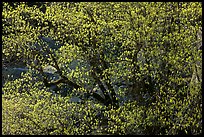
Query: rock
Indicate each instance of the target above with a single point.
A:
(9, 74)
(51, 43)
(49, 69)
(75, 100)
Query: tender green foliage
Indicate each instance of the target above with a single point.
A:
(144, 58)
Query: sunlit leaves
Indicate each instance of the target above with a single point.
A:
(137, 40)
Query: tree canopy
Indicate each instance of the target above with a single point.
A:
(102, 68)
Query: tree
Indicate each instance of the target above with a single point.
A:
(127, 49)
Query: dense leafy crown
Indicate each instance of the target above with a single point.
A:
(101, 68)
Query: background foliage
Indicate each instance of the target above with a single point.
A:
(143, 58)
